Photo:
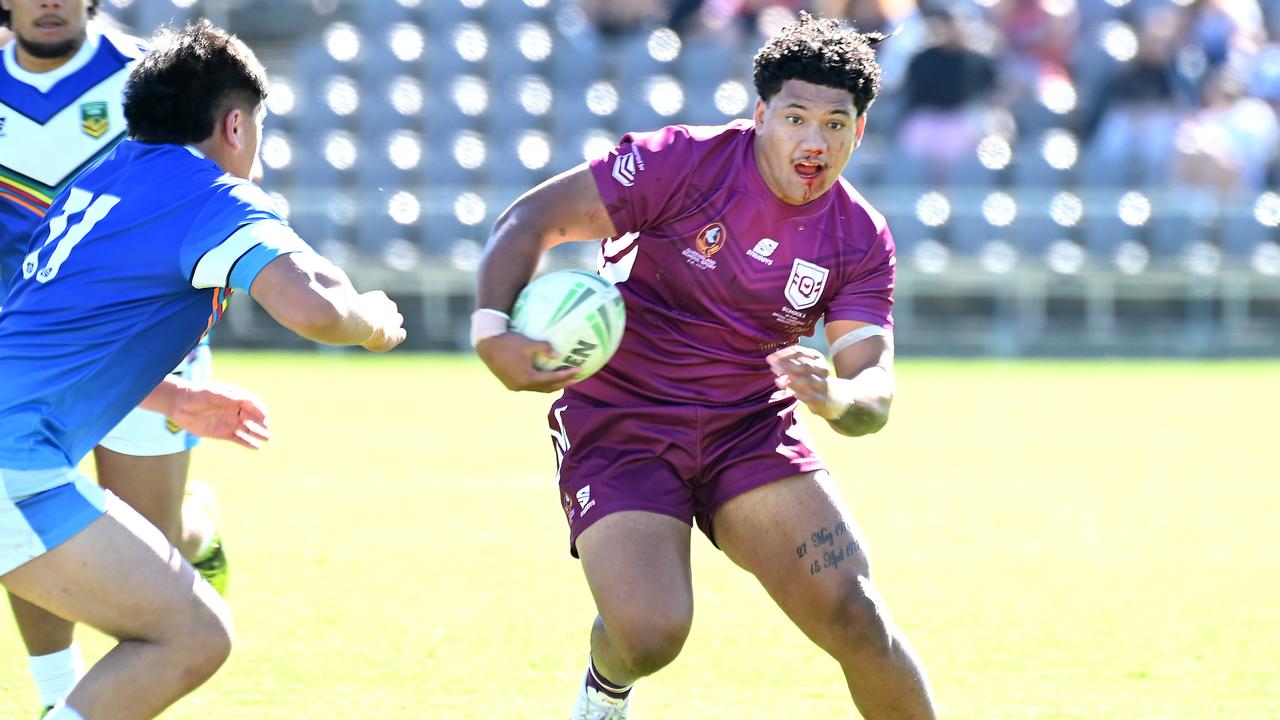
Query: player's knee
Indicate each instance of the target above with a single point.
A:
(207, 643)
(650, 644)
(859, 619)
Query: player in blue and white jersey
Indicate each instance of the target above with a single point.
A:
(61, 110)
(131, 266)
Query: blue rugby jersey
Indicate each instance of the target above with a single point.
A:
(131, 267)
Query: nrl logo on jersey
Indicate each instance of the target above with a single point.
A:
(93, 119)
(805, 286)
(2, 126)
(626, 167)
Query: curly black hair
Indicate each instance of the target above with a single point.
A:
(821, 51)
(193, 77)
(91, 10)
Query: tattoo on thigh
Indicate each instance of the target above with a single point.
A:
(829, 548)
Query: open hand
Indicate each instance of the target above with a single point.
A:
(222, 412)
(806, 372)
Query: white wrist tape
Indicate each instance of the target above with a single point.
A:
(486, 323)
(857, 336)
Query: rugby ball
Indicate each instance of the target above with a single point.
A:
(579, 313)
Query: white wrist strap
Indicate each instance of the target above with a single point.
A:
(486, 323)
(857, 336)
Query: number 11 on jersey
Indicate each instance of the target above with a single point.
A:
(95, 208)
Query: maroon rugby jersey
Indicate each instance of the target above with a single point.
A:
(718, 272)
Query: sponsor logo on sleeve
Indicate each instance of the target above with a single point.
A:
(805, 286)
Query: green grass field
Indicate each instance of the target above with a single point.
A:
(1090, 540)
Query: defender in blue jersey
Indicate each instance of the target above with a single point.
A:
(131, 266)
(61, 110)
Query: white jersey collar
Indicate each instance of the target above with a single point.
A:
(46, 80)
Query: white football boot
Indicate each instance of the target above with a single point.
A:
(595, 705)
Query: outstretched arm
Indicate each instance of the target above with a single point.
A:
(565, 208)
(219, 411)
(313, 297)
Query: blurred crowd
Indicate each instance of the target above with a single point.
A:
(1168, 92)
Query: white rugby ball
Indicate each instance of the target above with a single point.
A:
(580, 313)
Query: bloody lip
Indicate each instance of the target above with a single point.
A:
(807, 171)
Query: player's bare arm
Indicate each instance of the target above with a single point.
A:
(855, 398)
(314, 298)
(220, 411)
(566, 208)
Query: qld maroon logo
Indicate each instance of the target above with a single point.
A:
(806, 284)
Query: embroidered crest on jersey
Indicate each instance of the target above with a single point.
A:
(94, 120)
(806, 284)
(711, 238)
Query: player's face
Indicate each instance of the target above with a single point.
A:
(48, 31)
(804, 136)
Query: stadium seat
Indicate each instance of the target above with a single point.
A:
(969, 231)
(1179, 220)
(376, 228)
(1101, 170)
(374, 16)
(576, 60)
(1103, 230)
(705, 62)
(864, 168)
(1034, 230)
(444, 14)
(1032, 117)
(1241, 233)
(901, 169)
(441, 57)
(443, 230)
(970, 172)
(1030, 167)
(908, 232)
(512, 12)
(507, 58)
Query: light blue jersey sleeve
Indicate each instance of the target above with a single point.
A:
(236, 234)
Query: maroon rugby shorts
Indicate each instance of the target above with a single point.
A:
(685, 461)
